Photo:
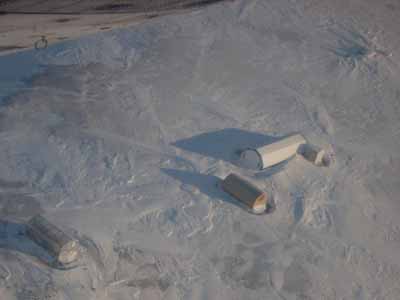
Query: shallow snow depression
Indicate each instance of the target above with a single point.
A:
(121, 137)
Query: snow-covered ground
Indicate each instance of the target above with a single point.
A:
(120, 138)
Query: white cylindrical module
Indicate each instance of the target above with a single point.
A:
(245, 192)
(272, 154)
(52, 239)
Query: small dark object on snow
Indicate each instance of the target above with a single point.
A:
(315, 155)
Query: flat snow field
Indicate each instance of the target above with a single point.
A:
(120, 139)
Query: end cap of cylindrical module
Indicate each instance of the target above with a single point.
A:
(251, 159)
(69, 253)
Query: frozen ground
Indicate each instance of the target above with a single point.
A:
(120, 138)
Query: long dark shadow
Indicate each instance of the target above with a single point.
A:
(13, 238)
(224, 144)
